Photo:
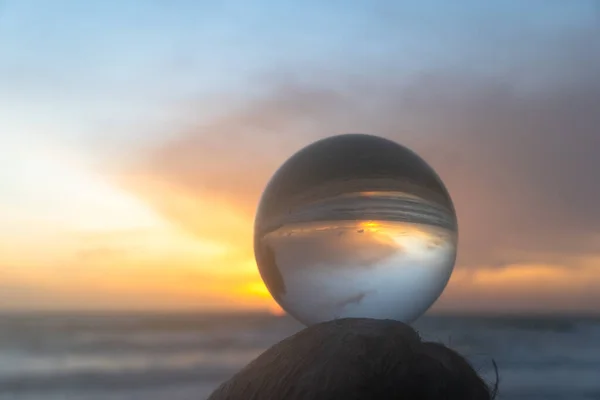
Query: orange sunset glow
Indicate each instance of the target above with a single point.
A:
(151, 245)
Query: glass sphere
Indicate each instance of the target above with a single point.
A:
(355, 226)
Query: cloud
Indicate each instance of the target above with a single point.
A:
(518, 154)
(523, 288)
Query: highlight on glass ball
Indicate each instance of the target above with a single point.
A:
(355, 226)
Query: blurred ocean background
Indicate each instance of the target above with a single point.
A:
(185, 356)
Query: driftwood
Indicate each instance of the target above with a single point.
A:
(353, 358)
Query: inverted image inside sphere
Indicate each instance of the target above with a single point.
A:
(355, 226)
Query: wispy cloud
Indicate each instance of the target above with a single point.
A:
(519, 160)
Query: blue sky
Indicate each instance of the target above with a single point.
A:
(116, 61)
(78, 64)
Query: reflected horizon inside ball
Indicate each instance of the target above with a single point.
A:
(355, 226)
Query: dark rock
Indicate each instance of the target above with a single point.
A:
(355, 359)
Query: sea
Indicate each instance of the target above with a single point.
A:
(180, 356)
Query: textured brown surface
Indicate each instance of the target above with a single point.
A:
(355, 359)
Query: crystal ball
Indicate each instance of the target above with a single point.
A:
(355, 226)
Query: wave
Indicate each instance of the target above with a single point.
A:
(87, 381)
(160, 356)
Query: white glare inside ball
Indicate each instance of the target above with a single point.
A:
(355, 226)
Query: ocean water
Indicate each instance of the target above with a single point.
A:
(185, 356)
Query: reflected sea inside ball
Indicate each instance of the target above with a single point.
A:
(355, 226)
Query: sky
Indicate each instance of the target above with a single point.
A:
(136, 138)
